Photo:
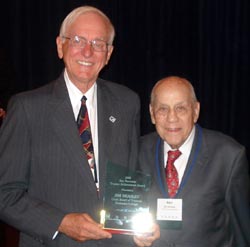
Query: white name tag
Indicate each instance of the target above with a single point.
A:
(169, 209)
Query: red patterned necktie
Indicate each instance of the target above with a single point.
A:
(85, 134)
(171, 173)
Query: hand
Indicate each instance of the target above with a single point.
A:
(81, 227)
(147, 240)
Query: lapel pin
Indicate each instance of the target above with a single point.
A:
(112, 119)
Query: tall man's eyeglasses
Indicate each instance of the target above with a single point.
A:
(81, 42)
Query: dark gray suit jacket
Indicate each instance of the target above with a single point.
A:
(44, 173)
(216, 211)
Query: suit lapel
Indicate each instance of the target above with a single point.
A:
(198, 159)
(162, 165)
(108, 122)
(67, 132)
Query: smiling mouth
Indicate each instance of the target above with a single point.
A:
(173, 130)
(84, 63)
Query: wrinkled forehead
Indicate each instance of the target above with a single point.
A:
(172, 94)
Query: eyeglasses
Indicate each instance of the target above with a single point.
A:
(179, 110)
(80, 42)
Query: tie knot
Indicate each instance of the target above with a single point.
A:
(83, 99)
(173, 155)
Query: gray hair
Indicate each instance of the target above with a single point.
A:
(74, 14)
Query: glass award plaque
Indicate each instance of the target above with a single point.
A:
(125, 207)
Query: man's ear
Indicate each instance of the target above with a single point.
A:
(110, 51)
(59, 45)
(196, 111)
(151, 114)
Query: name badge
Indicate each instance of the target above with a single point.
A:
(169, 209)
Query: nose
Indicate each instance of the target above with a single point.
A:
(87, 50)
(172, 116)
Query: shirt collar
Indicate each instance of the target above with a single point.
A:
(75, 94)
(186, 146)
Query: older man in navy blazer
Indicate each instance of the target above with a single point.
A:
(47, 189)
(211, 205)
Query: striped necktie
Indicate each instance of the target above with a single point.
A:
(86, 137)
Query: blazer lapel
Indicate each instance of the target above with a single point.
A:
(162, 165)
(108, 122)
(197, 161)
(65, 127)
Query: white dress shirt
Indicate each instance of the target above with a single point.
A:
(75, 96)
(181, 163)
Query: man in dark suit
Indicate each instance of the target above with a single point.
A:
(47, 189)
(211, 205)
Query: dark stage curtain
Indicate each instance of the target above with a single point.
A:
(206, 41)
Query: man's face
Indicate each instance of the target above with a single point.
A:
(174, 112)
(84, 64)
